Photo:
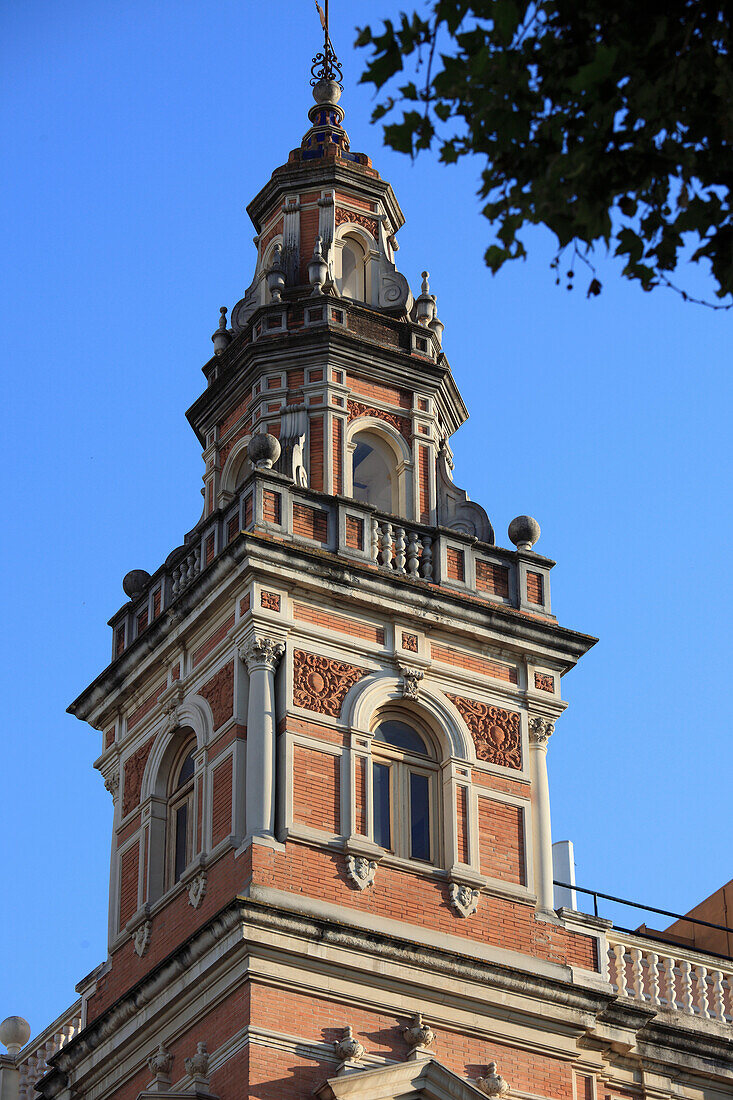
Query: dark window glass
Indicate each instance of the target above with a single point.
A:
(401, 736)
(419, 816)
(186, 771)
(382, 829)
(181, 842)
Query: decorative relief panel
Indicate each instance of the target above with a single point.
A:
(409, 642)
(543, 681)
(219, 694)
(320, 683)
(270, 600)
(496, 732)
(399, 423)
(344, 215)
(134, 768)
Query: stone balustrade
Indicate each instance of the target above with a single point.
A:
(671, 977)
(270, 504)
(32, 1061)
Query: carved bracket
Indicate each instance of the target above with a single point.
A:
(197, 889)
(141, 937)
(464, 899)
(361, 871)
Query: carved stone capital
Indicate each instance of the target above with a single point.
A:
(361, 871)
(141, 937)
(197, 889)
(411, 678)
(464, 899)
(493, 1084)
(540, 730)
(261, 652)
(112, 783)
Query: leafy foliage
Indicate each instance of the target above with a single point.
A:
(606, 122)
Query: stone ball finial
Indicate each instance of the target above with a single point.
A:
(326, 91)
(14, 1034)
(134, 582)
(263, 450)
(524, 532)
(493, 1084)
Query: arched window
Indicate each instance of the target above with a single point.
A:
(180, 814)
(405, 788)
(373, 472)
(353, 269)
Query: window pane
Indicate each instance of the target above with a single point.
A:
(382, 829)
(419, 816)
(186, 771)
(181, 856)
(371, 476)
(401, 736)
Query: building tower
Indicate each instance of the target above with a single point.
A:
(324, 729)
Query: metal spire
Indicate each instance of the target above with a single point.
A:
(326, 65)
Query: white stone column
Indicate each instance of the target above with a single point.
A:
(540, 731)
(261, 656)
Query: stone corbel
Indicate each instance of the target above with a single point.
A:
(362, 860)
(140, 928)
(411, 678)
(112, 783)
(195, 880)
(465, 891)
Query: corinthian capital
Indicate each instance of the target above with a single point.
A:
(540, 730)
(261, 652)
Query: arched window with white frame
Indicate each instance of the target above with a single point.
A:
(405, 793)
(373, 472)
(180, 823)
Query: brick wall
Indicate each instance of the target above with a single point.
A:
(316, 453)
(338, 461)
(221, 814)
(310, 523)
(471, 663)
(129, 869)
(501, 840)
(330, 621)
(316, 789)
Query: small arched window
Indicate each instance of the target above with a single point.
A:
(353, 270)
(373, 472)
(180, 814)
(405, 789)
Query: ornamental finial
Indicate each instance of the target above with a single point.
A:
(326, 65)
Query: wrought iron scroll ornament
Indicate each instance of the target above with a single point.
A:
(326, 65)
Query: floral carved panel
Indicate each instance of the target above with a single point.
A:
(320, 684)
(399, 423)
(496, 732)
(343, 215)
(219, 694)
(134, 768)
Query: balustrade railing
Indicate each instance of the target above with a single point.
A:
(680, 980)
(269, 502)
(32, 1061)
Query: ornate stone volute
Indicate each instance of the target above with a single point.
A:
(348, 1050)
(197, 1067)
(540, 730)
(419, 1037)
(493, 1084)
(160, 1063)
(261, 652)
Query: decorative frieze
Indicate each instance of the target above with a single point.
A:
(540, 730)
(399, 423)
(134, 769)
(409, 642)
(464, 899)
(270, 600)
(496, 732)
(321, 684)
(343, 215)
(219, 694)
(543, 681)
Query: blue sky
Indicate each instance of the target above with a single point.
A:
(134, 136)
